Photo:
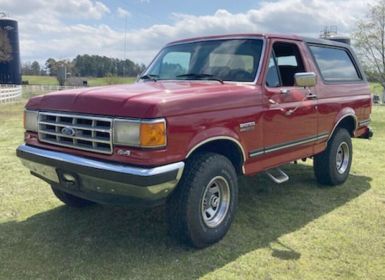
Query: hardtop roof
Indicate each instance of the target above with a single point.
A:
(266, 36)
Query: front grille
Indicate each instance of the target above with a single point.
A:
(76, 131)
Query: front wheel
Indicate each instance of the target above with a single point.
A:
(201, 209)
(332, 166)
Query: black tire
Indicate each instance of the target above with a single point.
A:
(71, 200)
(326, 167)
(186, 207)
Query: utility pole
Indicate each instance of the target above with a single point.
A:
(125, 45)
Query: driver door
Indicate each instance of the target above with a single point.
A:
(290, 118)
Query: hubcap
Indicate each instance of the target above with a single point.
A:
(215, 201)
(342, 158)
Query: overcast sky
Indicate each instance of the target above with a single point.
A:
(64, 28)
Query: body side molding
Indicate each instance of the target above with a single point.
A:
(218, 138)
(341, 119)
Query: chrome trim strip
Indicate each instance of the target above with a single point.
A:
(78, 126)
(343, 117)
(86, 116)
(364, 122)
(73, 137)
(296, 143)
(219, 138)
(67, 158)
(256, 153)
(286, 145)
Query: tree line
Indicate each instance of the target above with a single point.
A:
(84, 66)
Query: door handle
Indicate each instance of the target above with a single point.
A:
(311, 96)
(285, 91)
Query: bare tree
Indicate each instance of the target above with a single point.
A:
(370, 42)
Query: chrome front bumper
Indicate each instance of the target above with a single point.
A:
(100, 181)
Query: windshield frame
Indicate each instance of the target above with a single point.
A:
(257, 74)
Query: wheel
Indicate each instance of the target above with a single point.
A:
(332, 166)
(71, 200)
(201, 209)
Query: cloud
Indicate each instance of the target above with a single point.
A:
(122, 12)
(61, 9)
(44, 34)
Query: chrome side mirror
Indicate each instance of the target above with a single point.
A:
(305, 79)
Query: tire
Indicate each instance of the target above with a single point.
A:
(201, 209)
(71, 200)
(329, 168)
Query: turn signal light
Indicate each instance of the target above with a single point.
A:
(153, 134)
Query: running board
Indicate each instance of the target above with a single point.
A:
(277, 175)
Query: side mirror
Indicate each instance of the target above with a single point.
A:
(305, 79)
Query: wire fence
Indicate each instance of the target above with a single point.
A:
(32, 90)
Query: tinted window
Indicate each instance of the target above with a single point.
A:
(335, 64)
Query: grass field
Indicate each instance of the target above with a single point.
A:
(48, 80)
(291, 231)
(376, 88)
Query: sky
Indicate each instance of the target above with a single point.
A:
(137, 29)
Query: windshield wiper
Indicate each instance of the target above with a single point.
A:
(151, 77)
(200, 76)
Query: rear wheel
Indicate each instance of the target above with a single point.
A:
(332, 166)
(71, 200)
(201, 209)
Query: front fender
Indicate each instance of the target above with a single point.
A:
(212, 134)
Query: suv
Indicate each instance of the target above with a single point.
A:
(205, 111)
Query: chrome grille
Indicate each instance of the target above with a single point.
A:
(76, 131)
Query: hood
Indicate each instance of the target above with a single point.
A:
(148, 99)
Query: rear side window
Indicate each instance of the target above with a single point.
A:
(335, 64)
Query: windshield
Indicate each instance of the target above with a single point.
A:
(222, 60)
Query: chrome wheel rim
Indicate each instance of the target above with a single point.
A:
(215, 202)
(342, 158)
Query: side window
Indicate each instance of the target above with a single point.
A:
(174, 63)
(272, 77)
(289, 62)
(335, 64)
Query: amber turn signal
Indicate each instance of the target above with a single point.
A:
(153, 134)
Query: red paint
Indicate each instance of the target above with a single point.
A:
(198, 110)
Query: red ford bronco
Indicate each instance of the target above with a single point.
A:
(205, 111)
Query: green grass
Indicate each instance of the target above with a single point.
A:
(92, 82)
(48, 80)
(291, 231)
(376, 88)
(40, 80)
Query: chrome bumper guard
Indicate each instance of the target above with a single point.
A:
(100, 181)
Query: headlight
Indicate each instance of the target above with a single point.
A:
(30, 120)
(145, 134)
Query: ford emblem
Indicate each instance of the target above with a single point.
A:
(68, 131)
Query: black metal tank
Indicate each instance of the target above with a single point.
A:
(10, 72)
